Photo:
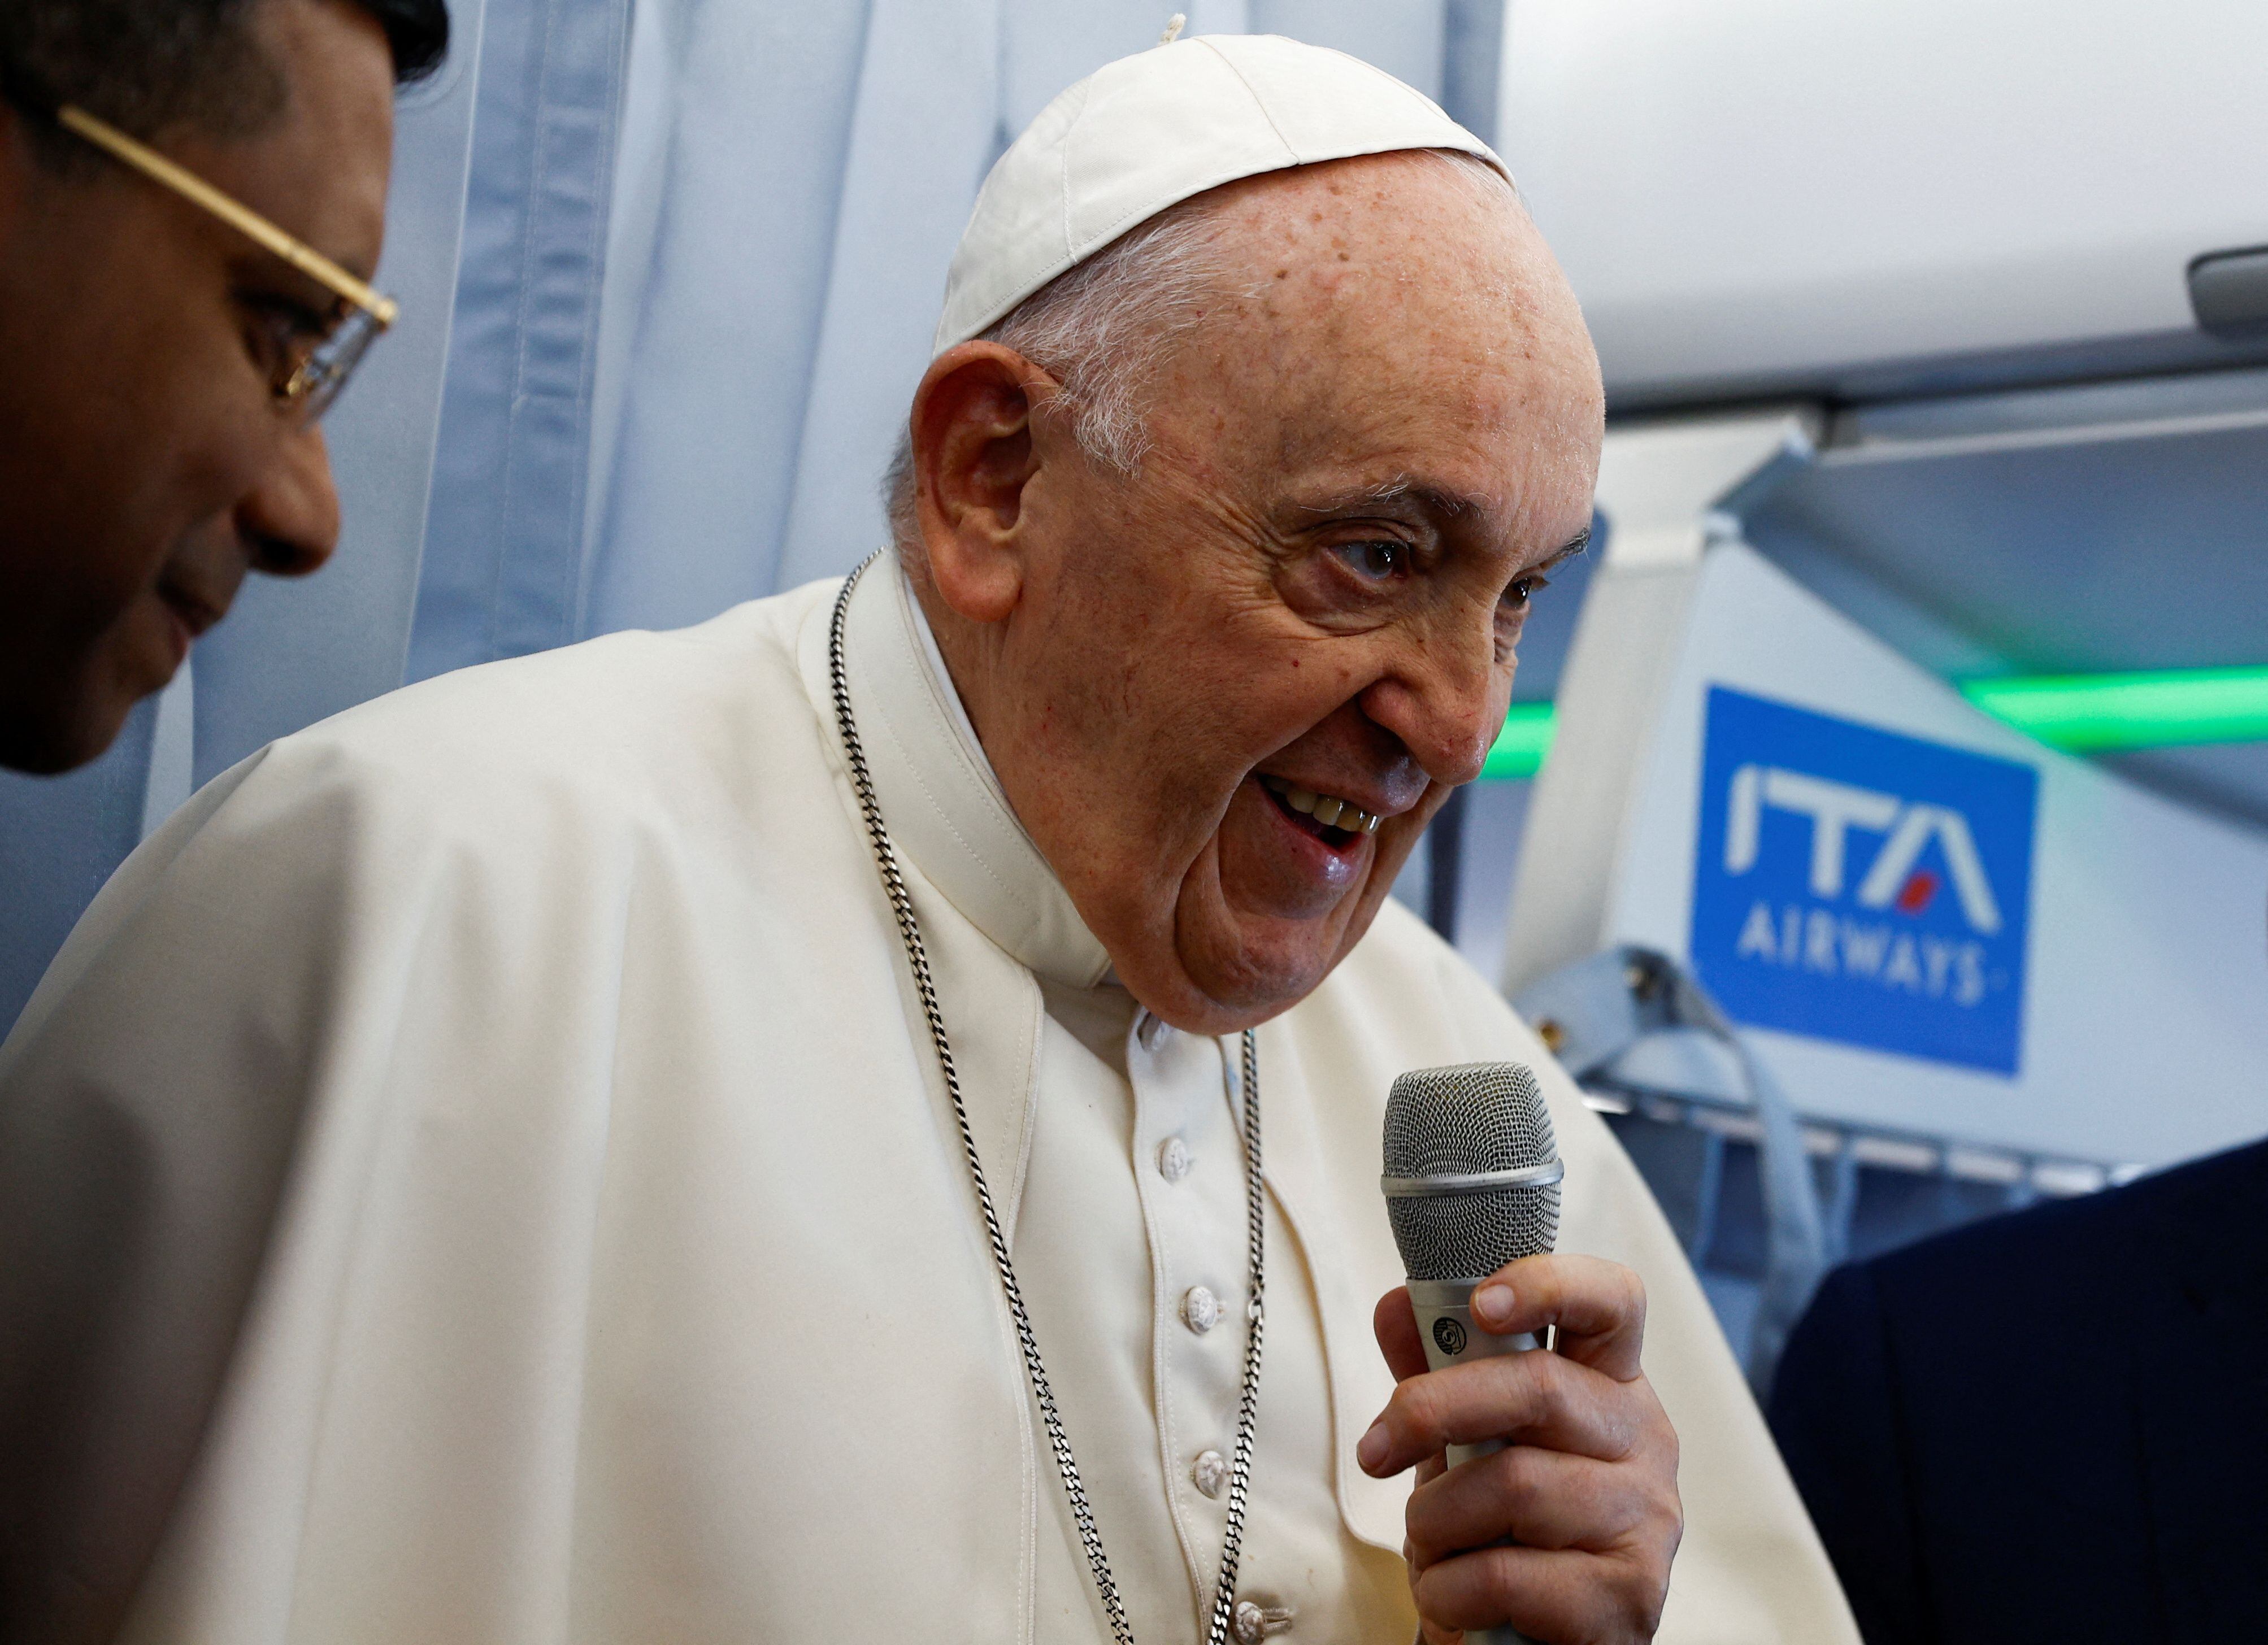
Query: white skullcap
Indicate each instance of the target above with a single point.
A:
(1149, 131)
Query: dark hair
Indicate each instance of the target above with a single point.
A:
(418, 31)
(145, 65)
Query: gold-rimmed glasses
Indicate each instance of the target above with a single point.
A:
(312, 366)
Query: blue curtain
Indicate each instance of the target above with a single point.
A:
(501, 573)
(60, 837)
(668, 273)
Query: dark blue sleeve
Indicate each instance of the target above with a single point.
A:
(1835, 1410)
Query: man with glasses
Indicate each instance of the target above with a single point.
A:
(192, 198)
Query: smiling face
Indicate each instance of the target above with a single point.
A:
(145, 467)
(1364, 460)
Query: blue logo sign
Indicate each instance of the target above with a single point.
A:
(1858, 885)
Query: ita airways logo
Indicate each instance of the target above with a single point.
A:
(1858, 885)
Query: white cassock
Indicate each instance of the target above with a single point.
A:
(533, 1052)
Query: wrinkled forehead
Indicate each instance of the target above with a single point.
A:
(1388, 252)
(1392, 320)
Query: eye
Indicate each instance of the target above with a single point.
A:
(1380, 558)
(1517, 597)
(282, 329)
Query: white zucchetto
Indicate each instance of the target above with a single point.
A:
(1151, 130)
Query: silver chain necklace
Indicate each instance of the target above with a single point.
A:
(902, 906)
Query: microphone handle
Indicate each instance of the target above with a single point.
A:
(1444, 1324)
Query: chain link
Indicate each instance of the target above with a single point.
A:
(1255, 1311)
(902, 908)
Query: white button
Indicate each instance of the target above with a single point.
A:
(1200, 1308)
(1174, 1160)
(1251, 1623)
(1210, 1472)
(1148, 1029)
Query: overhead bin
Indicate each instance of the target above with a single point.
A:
(1891, 197)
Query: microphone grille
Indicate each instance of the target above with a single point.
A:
(1459, 1121)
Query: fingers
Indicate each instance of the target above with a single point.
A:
(1540, 1399)
(1546, 1594)
(1599, 1306)
(1540, 1499)
(1568, 1533)
(1395, 1323)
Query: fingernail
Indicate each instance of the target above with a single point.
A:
(1493, 1303)
(1372, 1451)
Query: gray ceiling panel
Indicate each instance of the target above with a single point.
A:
(2130, 554)
(2107, 527)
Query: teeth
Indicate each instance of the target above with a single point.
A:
(1327, 808)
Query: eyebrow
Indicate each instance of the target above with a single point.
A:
(1407, 492)
(1403, 492)
(1575, 544)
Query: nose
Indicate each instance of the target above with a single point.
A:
(1444, 697)
(290, 517)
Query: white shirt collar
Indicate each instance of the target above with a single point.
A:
(940, 800)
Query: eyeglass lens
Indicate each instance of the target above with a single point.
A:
(314, 385)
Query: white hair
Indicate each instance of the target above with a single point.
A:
(1102, 329)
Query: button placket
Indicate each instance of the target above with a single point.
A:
(1197, 1230)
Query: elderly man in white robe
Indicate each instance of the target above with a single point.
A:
(489, 1171)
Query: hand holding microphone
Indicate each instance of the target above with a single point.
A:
(1546, 1508)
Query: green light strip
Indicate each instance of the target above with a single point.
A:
(2077, 713)
(1521, 746)
(2091, 713)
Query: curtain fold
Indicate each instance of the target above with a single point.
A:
(742, 122)
(503, 570)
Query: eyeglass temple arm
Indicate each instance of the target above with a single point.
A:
(298, 253)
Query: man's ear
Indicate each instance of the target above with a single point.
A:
(973, 453)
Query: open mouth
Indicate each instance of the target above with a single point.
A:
(1337, 823)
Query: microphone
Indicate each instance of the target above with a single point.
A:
(1471, 1182)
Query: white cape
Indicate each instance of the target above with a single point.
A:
(486, 1144)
